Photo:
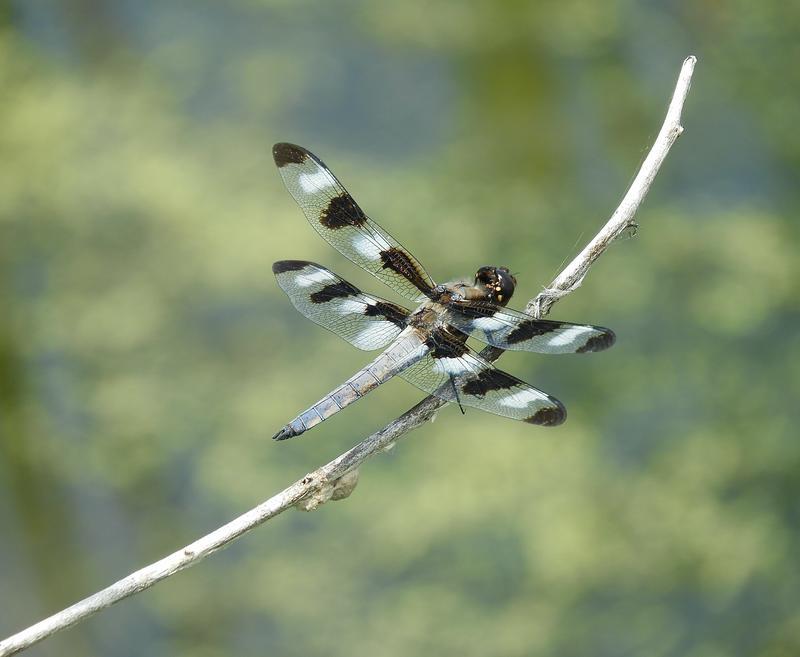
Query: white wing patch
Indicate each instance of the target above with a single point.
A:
(522, 398)
(314, 182)
(350, 307)
(317, 276)
(488, 324)
(568, 335)
(451, 366)
(371, 247)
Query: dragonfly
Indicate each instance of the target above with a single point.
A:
(426, 346)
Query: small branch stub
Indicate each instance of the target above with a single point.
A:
(337, 490)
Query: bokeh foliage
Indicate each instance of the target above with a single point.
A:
(146, 354)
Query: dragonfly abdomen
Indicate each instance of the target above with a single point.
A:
(405, 351)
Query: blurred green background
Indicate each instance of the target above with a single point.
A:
(146, 353)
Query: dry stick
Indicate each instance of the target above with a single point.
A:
(337, 479)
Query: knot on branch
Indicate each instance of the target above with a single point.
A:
(540, 306)
(336, 490)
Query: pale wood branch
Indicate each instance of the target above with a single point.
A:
(337, 479)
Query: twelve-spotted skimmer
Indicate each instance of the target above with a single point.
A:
(426, 346)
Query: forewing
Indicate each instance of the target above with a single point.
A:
(338, 219)
(510, 329)
(455, 373)
(365, 321)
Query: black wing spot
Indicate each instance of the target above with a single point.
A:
(474, 308)
(401, 263)
(284, 154)
(445, 344)
(550, 416)
(531, 328)
(338, 290)
(487, 381)
(599, 342)
(282, 266)
(341, 212)
(389, 311)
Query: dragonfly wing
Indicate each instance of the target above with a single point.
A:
(454, 372)
(510, 329)
(365, 321)
(342, 223)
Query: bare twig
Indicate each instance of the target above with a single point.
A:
(337, 479)
(573, 274)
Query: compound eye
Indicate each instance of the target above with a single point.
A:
(505, 286)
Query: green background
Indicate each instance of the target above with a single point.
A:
(146, 353)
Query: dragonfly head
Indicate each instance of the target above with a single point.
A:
(497, 283)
